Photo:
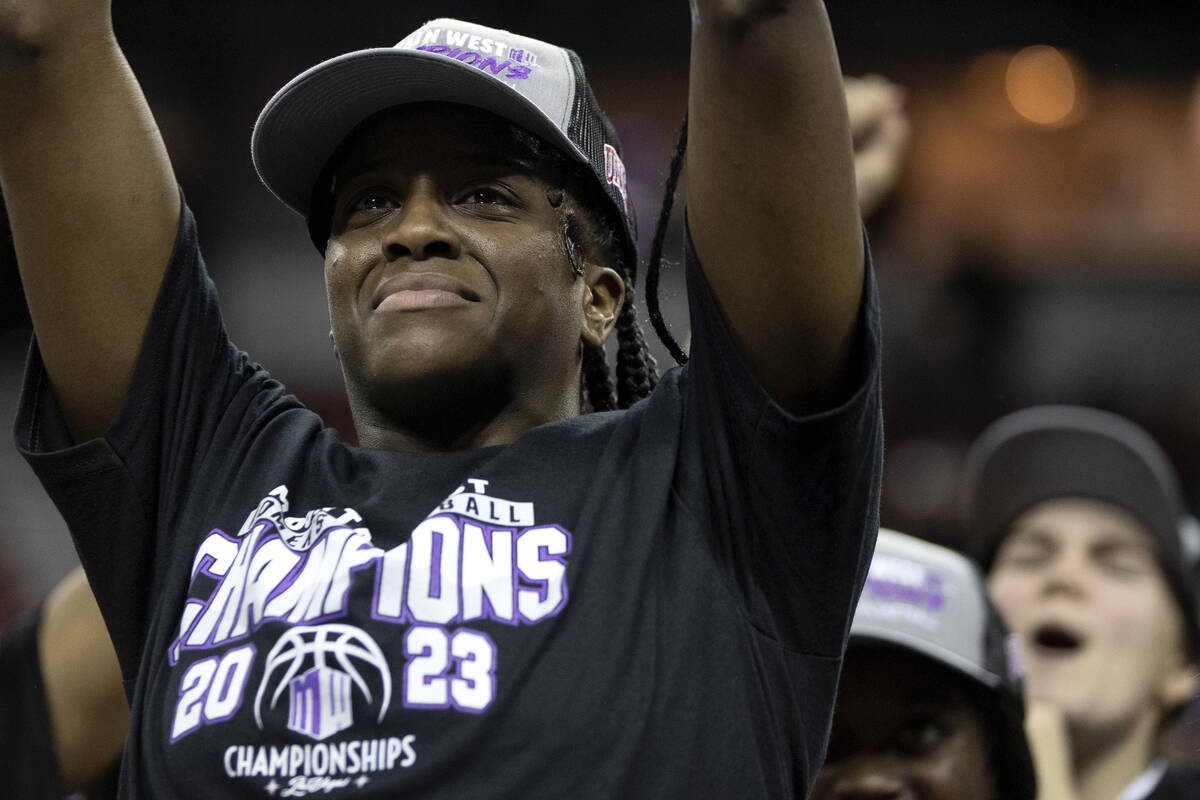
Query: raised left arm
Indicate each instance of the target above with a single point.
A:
(770, 192)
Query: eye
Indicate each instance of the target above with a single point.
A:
(487, 195)
(1024, 553)
(364, 207)
(1124, 562)
(373, 200)
(921, 735)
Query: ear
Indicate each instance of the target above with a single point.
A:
(603, 296)
(1178, 683)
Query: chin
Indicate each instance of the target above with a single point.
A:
(425, 359)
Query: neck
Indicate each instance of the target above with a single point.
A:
(384, 435)
(1103, 770)
(448, 426)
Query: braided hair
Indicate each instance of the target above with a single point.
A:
(636, 369)
(656, 248)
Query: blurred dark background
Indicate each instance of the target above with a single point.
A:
(1043, 244)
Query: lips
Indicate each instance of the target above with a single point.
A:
(412, 291)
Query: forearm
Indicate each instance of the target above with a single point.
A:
(771, 200)
(91, 198)
(84, 696)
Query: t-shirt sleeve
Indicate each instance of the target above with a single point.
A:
(790, 503)
(25, 735)
(192, 397)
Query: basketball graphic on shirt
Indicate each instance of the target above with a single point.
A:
(319, 670)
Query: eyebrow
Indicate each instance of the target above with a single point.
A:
(1107, 540)
(1034, 534)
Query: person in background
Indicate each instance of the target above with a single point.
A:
(929, 705)
(1077, 517)
(63, 713)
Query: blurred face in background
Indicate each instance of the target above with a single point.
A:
(1079, 581)
(904, 729)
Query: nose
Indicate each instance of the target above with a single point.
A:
(423, 228)
(1066, 574)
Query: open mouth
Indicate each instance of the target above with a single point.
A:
(1055, 639)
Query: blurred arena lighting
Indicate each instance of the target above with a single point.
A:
(1045, 85)
(1039, 85)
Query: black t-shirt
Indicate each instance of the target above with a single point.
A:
(1181, 782)
(648, 603)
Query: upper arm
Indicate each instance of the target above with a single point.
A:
(91, 199)
(770, 192)
(89, 716)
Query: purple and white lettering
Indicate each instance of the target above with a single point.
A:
(487, 60)
(476, 558)
(434, 570)
(903, 591)
(614, 173)
(322, 761)
(541, 561)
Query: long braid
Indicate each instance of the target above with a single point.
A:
(656, 248)
(598, 393)
(637, 371)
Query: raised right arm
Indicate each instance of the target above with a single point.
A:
(91, 198)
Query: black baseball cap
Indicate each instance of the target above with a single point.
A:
(1047, 452)
(539, 86)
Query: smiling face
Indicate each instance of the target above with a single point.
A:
(452, 300)
(904, 729)
(1078, 580)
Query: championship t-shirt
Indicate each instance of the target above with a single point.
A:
(650, 603)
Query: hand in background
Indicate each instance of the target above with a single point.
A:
(880, 130)
(1049, 744)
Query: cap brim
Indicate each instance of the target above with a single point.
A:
(302, 125)
(866, 635)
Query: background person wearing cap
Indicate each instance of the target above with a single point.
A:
(1076, 514)
(929, 704)
(587, 593)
